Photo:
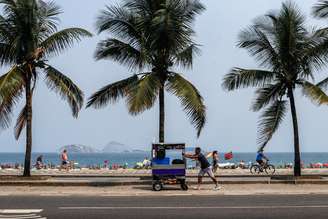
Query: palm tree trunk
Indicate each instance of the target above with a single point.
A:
(161, 114)
(297, 158)
(27, 164)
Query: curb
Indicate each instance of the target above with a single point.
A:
(148, 176)
(149, 182)
(69, 184)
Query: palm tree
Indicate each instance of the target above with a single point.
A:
(288, 54)
(320, 10)
(28, 36)
(152, 37)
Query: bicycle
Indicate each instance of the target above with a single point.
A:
(266, 167)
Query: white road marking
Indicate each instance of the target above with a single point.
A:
(20, 211)
(205, 207)
(21, 214)
(12, 215)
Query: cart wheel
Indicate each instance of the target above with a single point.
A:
(157, 186)
(184, 187)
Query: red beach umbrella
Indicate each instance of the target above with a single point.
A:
(228, 156)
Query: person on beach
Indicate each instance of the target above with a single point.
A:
(64, 159)
(146, 163)
(215, 160)
(242, 164)
(205, 167)
(106, 163)
(39, 163)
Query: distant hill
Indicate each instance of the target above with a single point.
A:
(115, 147)
(79, 149)
(190, 149)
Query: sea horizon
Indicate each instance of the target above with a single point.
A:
(131, 158)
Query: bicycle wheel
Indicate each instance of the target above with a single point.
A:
(255, 169)
(270, 169)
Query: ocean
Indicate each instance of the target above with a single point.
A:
(131, 158)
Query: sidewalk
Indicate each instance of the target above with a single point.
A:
(145, 190)
(125, 181)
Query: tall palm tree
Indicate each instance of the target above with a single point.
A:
(288, 54)
(28, 37)
(152, 37)
(320, 10)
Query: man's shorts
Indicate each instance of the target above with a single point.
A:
(207, 171)
(260, 162)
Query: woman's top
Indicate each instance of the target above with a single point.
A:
(215, 161)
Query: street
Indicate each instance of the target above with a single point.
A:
(182, 206)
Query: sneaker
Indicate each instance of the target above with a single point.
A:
(196, 188)
(217, 188)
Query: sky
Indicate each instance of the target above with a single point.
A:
(231, 125)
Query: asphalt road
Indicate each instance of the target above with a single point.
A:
(232, 207)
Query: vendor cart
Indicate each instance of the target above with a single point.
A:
(166, 170)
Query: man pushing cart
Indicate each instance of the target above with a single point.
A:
(205, 167)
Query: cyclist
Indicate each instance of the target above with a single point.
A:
(261, 159)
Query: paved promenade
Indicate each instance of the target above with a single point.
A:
(146, 190)
(143, 172)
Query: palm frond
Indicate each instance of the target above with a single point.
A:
(259, 44)
(291, 37)
(6, 30)
(244, 78)
(267, 94)
(121, 52)
(11, 88)
(185, 57)
(320, 10)
(191, 100)
(63, 39)
(143, 94)
(65, 87)
(48, 17)
(170, 32)
(316, 49)
(270, 121)
(111, 93)
(120, 22)
(20, 123)
(323, 84)
(7, 54)
(191, 8)
(315, 93)
(171, 27)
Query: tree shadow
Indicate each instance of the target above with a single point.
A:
(165, 188)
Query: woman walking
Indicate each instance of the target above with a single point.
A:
(215, 160)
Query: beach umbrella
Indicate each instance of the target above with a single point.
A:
(228, 156)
